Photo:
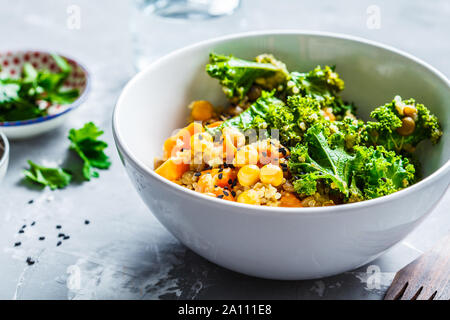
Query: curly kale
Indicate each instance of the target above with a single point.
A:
(321, 157)
(323, 85)
(291, 119)
(237, 76)
(378, 172)
(390, 130)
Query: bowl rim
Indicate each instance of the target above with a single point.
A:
(72, 106)
(122, 146)
(5, 143)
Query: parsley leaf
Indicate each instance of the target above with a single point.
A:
(20, 98)
(89, 149)
(52, 177)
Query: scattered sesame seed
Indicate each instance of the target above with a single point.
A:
(60, 235)
(30, 261)
(225, 193)
(66, 237)
(33, 223)
(41, 238)
(197, 174)
(24, 226)
(230, 181)
(21, 231)
(220, 196)
(17, 244)
(58, 227)
(233, 193)
(59, 243)
(30, 201)
(86, 222)
(220, 175)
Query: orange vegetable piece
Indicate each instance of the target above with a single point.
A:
(289, 199)
(172, 169)
(215, 124)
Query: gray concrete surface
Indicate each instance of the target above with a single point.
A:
(124, 253)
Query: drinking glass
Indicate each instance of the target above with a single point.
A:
(161, 26)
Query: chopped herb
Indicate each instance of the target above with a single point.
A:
(89, 149)
(51, 177)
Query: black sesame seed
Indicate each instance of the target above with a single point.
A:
(220, 175)
(197, 174)
(30, 261)
(66, 237)
(86, 221)
(233, 193)
(30, 201)
(220, 170)
(24, 226)
(59, 243)
(60, 235)
(41, 238)
(230, 181)
(33, 223)
(17, 244)
(220, 196)
(21, 231)
(226, 193)
(58, 227)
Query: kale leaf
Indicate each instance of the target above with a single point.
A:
(237, 75)
(387, 131)
(321, 157)
(378, 172)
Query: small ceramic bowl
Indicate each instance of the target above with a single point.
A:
(4, 155)
(11, 66)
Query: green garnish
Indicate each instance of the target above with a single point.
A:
(89, 149)
(20, 98)
(55, 178)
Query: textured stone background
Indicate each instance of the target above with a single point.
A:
(124, 252)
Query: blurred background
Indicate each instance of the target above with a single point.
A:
(126, 253)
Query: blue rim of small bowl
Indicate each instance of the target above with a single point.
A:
(70, 107)
(5, 143)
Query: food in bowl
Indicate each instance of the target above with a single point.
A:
(287, 139)
(34, 93)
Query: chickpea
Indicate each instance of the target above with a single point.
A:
(410, 111)
(249, 197)
(271, 174)
(202, 110)
(408, 126)
(248, 175)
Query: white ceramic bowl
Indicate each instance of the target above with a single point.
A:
(12, 62)
(4, 155)
(281, 243)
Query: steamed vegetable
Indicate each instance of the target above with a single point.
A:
(30, 95)
(321, 157)
(237, 76)
(401, 125)
(377, 172)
